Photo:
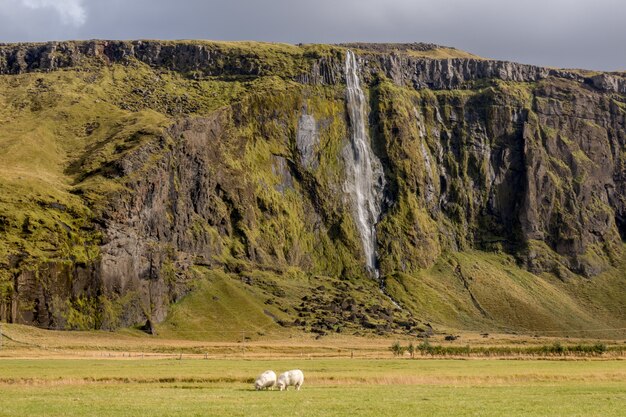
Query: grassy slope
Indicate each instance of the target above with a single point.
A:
(222, 305)
(263, 305)
(221, 308)
(513, 299)
(437, 52)
(444, 53)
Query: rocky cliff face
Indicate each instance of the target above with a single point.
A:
(310, 66)
(530, 170)
(245, 171)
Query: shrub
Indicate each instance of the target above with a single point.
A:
(424, 348)
(397, 349)
(411, 349)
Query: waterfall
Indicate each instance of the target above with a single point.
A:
(364, 180)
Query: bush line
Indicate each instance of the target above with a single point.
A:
(553, 350)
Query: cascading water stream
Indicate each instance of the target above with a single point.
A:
(364, 180)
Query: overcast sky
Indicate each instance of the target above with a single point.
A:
(559, 33)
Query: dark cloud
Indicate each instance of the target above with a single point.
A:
(560, 33)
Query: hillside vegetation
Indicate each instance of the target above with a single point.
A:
(172, 184)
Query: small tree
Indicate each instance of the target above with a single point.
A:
(558, 349)
(397, 349)
(411, 349)
(424, 347)
(599, 348)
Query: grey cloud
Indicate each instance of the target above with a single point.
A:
(70, 12)
(560, 33)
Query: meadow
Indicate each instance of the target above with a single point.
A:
(333, 387)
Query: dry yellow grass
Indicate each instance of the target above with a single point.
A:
(27, 342)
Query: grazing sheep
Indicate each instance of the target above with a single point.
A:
(266, 380)
(295, 378)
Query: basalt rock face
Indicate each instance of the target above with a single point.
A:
(476, 154)
(534, 172)
(574, 162)
(311, 67)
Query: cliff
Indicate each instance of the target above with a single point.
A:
(406, 64)
(132, 168)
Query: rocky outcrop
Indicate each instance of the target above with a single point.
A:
(613, 83)
(207, 58)
(537, 174)
(217, 59)
(307, 140)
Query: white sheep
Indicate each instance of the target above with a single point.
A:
(266, 380)
(295, 378)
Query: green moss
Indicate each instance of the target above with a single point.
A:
(581, 157)
(76, 140)
(516, 93)
(408, 238)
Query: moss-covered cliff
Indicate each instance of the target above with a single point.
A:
(130, 169)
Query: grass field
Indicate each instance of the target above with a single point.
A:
(333, 387)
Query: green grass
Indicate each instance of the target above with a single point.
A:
(332, 388)
(604, 400)
(511, 298)
(219, 308)
(437, 52)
